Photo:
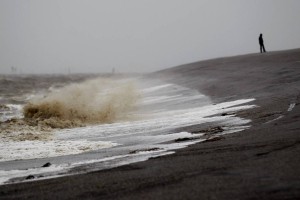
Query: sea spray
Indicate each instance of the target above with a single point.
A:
(94, 101)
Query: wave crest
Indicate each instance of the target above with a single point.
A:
(93, 101)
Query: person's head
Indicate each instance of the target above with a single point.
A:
(260, 35)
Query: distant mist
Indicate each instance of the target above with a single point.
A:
(74, 36)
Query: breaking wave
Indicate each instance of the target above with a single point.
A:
(89, 102)
(96, 101)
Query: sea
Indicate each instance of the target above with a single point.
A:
(61, 125)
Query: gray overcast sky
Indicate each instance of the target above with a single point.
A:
(50, 36)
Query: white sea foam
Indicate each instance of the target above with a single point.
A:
(291, 107)
(54, 171)
(5, 175)
(12, 111)
(15, 150)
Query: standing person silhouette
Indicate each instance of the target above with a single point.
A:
(261, 43)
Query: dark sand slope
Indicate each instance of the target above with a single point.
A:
(262, 162)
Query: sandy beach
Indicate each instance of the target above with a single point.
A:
(261, 162)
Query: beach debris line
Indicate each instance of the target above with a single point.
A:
(226, 114)
(145, 150)
(184, 139)
(209, 130)
(214, 138)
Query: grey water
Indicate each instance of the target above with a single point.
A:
(154, 129)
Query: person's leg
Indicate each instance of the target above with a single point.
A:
(260, 48)
(264, 48)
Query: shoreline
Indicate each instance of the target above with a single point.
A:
(258, 163)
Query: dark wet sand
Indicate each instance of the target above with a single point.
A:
(262, 162)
